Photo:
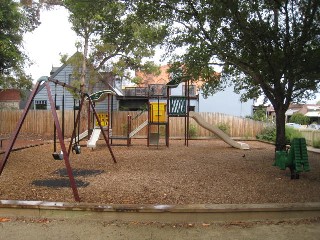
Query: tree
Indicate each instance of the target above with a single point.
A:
(15, 20)
(260, 114)
(114, 37)
(264, 47)
(299, 118)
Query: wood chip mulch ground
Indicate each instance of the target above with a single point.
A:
(206, 172)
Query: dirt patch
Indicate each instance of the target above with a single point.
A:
(206, 172)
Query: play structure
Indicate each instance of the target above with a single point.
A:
(296, 158)
(64, 153)
(102, 118)
(219, 133)
(178, 106)
(162, 106)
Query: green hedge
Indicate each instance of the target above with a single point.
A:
(269, 134)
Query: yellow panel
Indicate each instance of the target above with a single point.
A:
(158, 112)
(103, 119)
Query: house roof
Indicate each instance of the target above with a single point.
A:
(162, 78)
(290, 112)
(147, 79)
(313, 114)
(10, 95)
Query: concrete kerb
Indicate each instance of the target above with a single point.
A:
(195, 213)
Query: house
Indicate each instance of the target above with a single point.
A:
(153, 88)
(226, 101)
(64, 74)
(9, 99)
(310, 110)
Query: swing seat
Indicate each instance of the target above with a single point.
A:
(76, 149)
(57, 156)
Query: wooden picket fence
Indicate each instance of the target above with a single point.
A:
(310, 135)
(41, 122)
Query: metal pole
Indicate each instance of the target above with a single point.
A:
(63, 146)
(76, 123)
(103, 133)
(19, 125)
(188, 105)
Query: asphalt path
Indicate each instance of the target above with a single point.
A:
(51, 229)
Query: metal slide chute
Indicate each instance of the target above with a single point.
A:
(217, 132)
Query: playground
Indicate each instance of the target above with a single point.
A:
(205, 172)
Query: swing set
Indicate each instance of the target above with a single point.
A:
(76, 125)
(58, 129)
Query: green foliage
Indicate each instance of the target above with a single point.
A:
(192, 131)
(269, 134)
(292, 133)
(260, 115)
(316, 144)
(224, 127)
(15, 20)
(299, 118)
(115, 38)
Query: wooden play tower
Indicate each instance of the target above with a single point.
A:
(160, 112)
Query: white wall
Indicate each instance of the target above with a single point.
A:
(226, 102)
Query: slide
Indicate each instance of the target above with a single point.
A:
(94, 138)
(80, 137)
(217, 132)
(135, 131)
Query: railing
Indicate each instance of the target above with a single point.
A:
(136, 92)
(152, 90)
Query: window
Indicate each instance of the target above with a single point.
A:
(40, 104)
(192, 90)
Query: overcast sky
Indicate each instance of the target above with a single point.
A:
(52, 37)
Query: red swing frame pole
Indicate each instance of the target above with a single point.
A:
(62, 144)
(76, 124)
(103, 133)
(19, 125)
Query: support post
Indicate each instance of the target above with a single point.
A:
(62, 144)
(103, 133)
(76, 125)
(19, 125)
(129, 131)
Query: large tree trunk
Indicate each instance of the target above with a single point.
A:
(281, 128)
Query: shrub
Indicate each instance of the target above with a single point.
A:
(269, 134)
(260, 115)
(192, 131)
(299, 118)
(316, 144)
(224, 127)
(292, 133)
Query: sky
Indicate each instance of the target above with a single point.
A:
(45, 44)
